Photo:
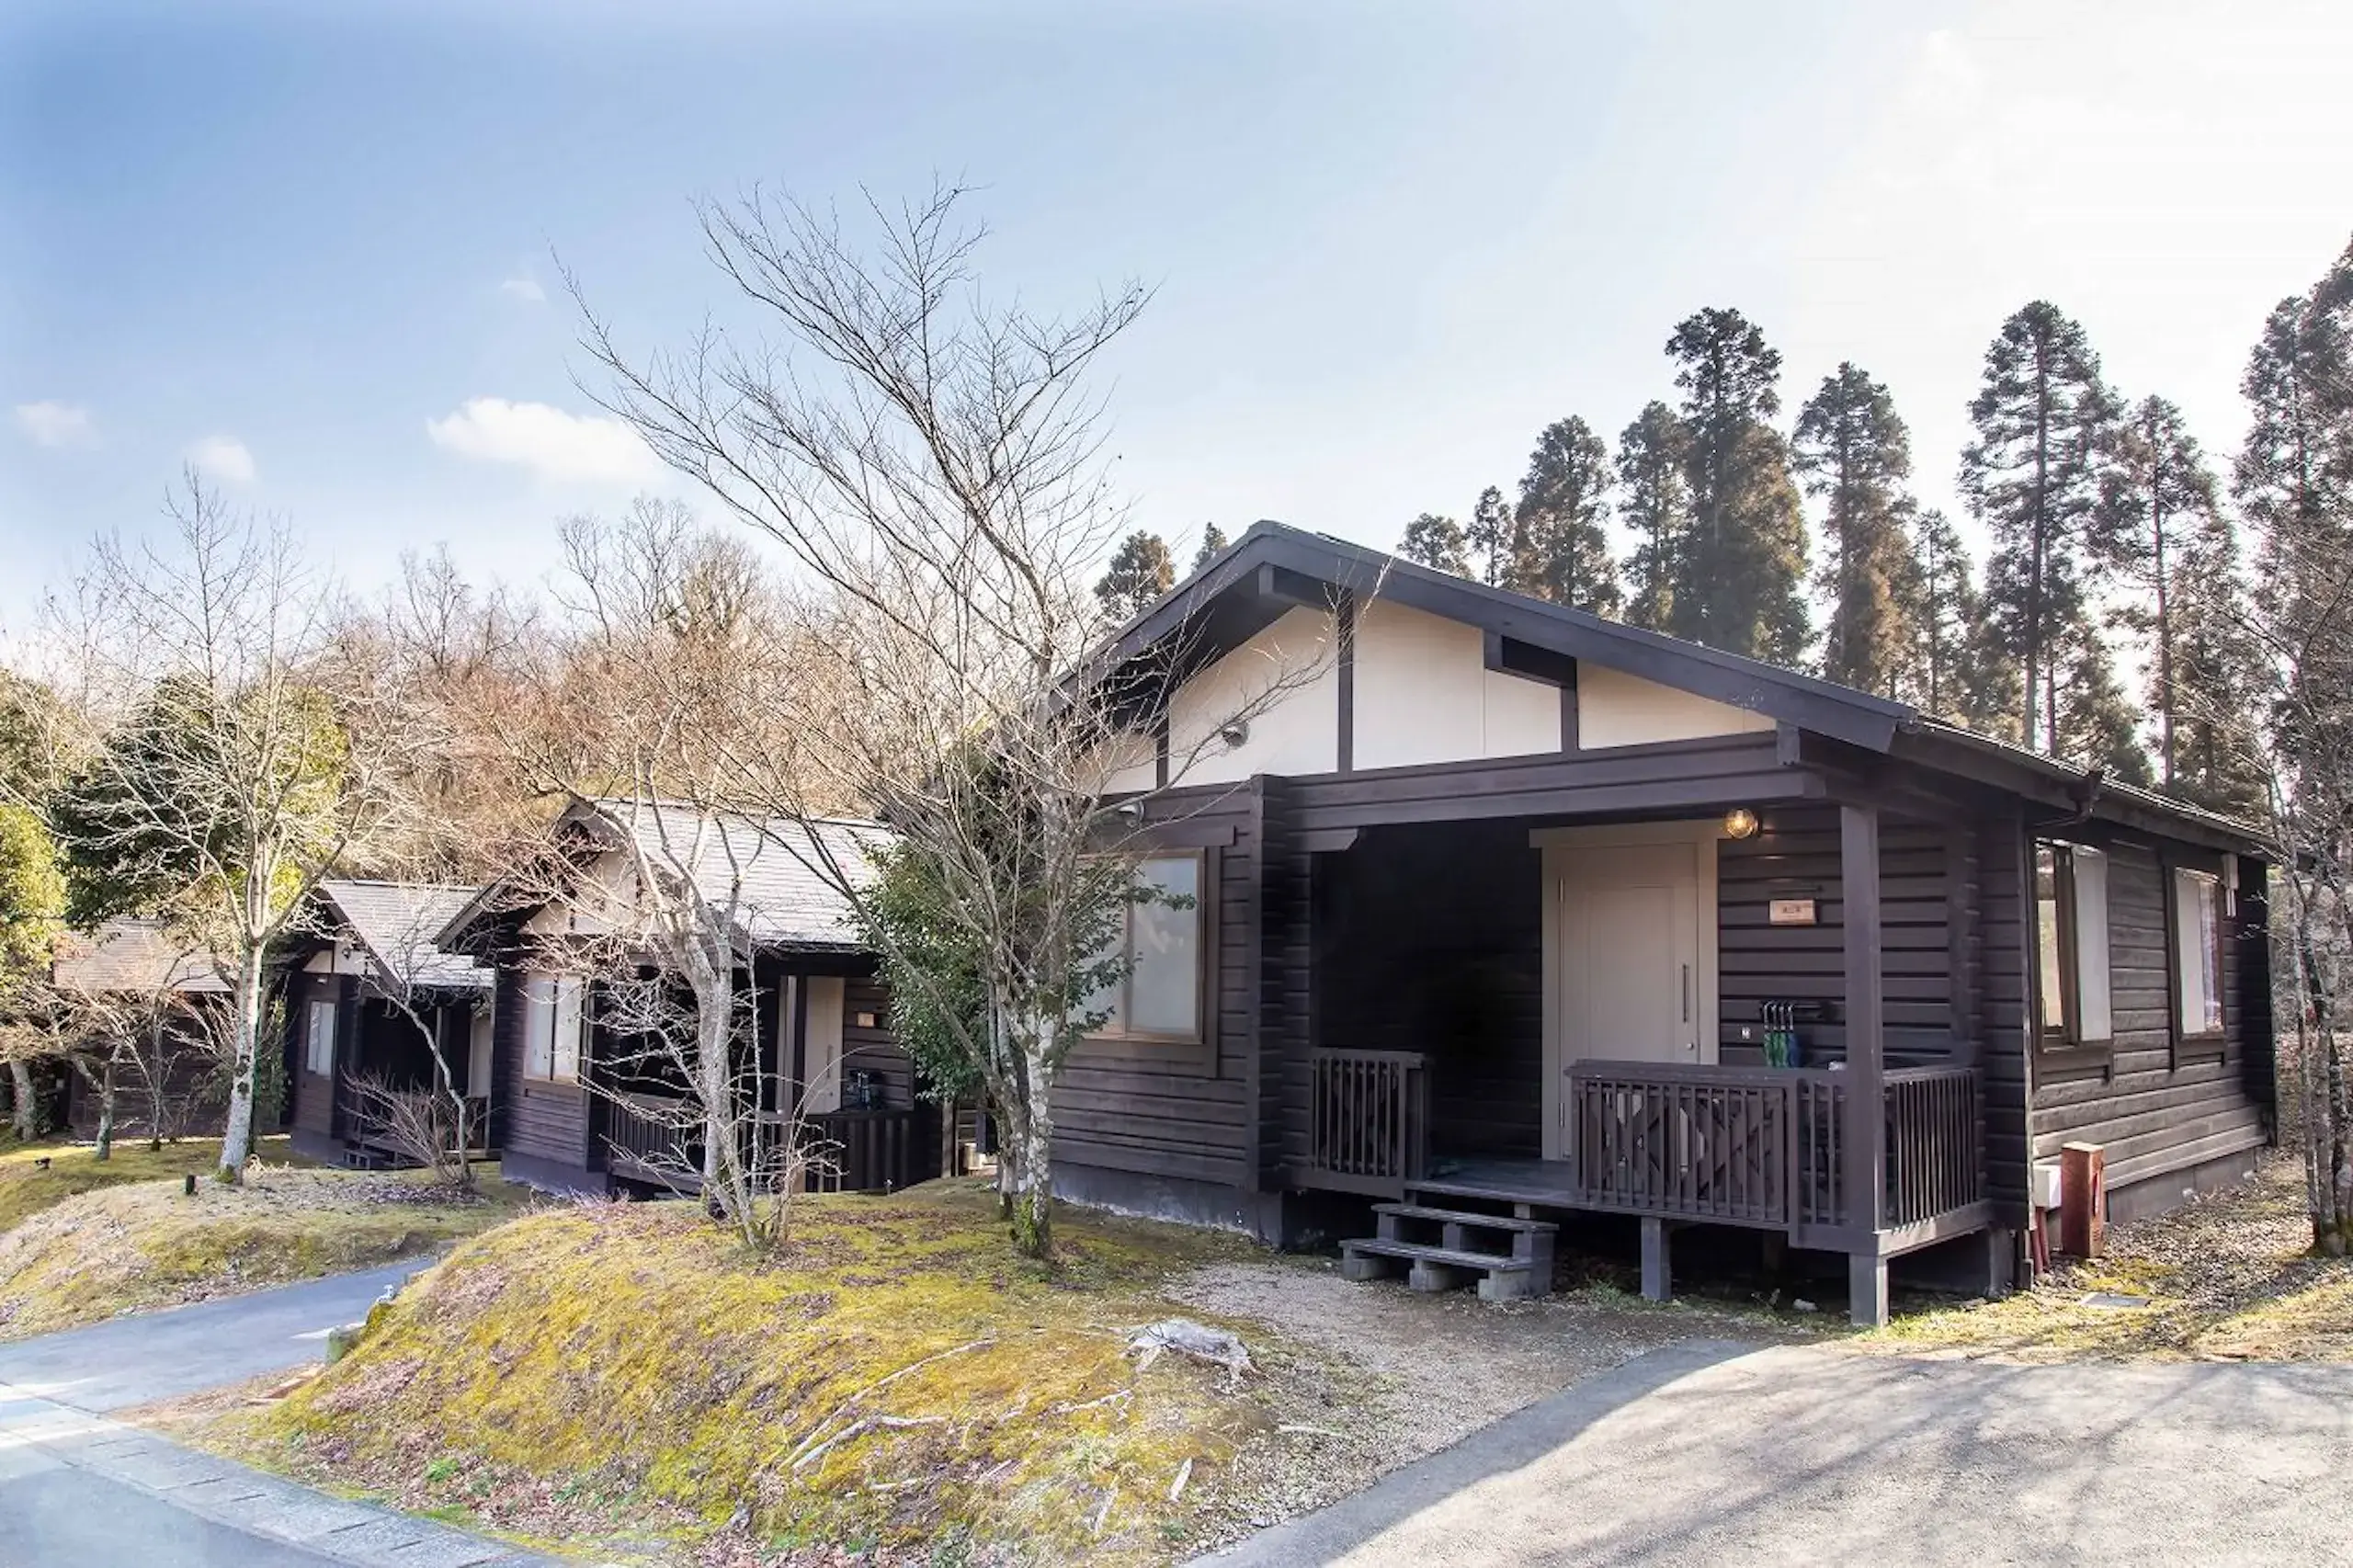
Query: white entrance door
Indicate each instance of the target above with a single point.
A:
(1630, 986)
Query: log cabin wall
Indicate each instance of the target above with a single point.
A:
(542, 1126)
(2163, 1116)
(1794, 855)
(1186, 1111)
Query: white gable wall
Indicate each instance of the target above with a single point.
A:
(1300, 734)
(1127, 762)
(1618, 709)
(1423, 694)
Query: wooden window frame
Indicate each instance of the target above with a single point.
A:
(1147, 1045)
(2065, 1046)
(2203, 1047)
(551, 1078)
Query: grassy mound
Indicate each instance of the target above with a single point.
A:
(27, 1185)
(897, 1380)
(145, 1245)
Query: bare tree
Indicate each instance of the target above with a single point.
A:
(930, 460)
(230, 774)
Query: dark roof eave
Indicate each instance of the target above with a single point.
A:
(2083, 790)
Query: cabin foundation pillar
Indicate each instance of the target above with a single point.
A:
(1658, 1274)
(1867, 1290)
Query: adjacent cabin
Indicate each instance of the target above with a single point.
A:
(589, 1105)
(1504, 914)
(168, 1002)
(375, 1006)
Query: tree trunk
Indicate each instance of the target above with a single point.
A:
(106, 1110)
(237, 1131)
(1025, 1137)
(27, 1114)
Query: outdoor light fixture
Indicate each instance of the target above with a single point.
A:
(1740, 823)
(1235, 734)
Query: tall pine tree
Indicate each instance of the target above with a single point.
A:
(1959, 669)
(1654, 502)
(2032, 477)
(2159, 497)
(1739, 582)
(2213, 756)
(1494, 538)
(1564, 517)
(1212, 541)
(1855, 454)
(1436, 542)
(1140, 571)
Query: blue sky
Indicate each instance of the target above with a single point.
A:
(311, 245)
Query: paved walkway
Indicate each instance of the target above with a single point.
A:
(1710, 1454)
(77, 1488)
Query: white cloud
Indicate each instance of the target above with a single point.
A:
(57, 423)
(557, 446)
(527, 290)
(224, 458)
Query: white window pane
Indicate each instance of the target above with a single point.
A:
(319, 1055)
(2091, 944)
(539, 1026)
(822, 1046)
(2197, 931)
(1164, 992)
(566, 1051)
(478, 1046)
(2046, 930)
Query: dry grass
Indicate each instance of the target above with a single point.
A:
(898, 1383)
(2227, 1277)
(136, 1245)
(27, 1186)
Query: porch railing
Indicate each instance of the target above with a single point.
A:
(646, 1133)
(1766, 1147)
(1369, 1120)
(861, 1151)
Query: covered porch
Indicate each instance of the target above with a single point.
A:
(1522, 1019)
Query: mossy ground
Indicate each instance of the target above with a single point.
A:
(27, 1186)
(897, 1383)
(2229, 1277)
(142, 1244)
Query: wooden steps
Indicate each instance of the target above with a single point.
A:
(1510, 1256)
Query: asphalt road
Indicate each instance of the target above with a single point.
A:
(1706, 1454)
(80, 1489)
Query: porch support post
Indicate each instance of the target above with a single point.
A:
(1658, 1273)
(1866, 1140)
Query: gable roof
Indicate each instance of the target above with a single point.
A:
(1273, 567)
(399, 924)
(774, 868)
(142, 956)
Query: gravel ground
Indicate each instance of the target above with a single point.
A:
(1371, 1376)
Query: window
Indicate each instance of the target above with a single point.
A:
(821, 1046)
(1161, 998)
(318, 1039)
(478, 1046)
(2070, 937)
(2197, 955)
(551, 1028)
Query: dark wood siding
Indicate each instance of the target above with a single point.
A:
(2004, 946)
(2152, 1117)
(1794, 854)
(537, 1119)
(1173, 1110)
(314, 1093)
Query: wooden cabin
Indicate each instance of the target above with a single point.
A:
(372, 999)
(1508, 914)
(170, 995)
(589, 1109)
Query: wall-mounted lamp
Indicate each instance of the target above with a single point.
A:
(1235, 734)
(1740, 823)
